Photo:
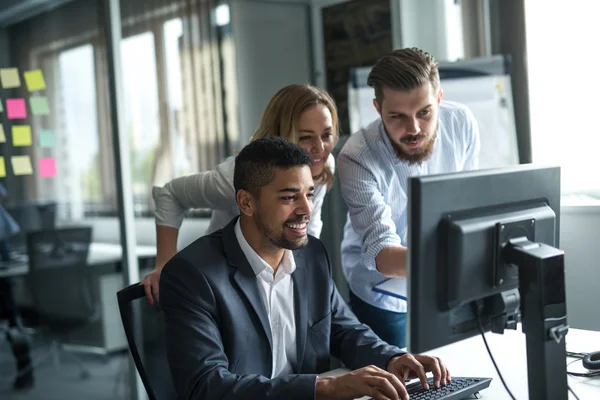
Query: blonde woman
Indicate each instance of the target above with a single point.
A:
(303, 114)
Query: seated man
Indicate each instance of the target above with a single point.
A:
(251, 311)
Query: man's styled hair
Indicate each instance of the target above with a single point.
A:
(404, 70)
(255, 163)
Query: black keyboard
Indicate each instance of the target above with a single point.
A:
(458, 388)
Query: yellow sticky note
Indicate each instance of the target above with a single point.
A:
(2, 135)
(2, 168)
(10, 78)
(21, 135)
(35, 80)
(21, 165)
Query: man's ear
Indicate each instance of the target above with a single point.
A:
(245, 202)
(440, 95)
(377, 107)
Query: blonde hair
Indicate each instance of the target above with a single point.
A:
(282, 114)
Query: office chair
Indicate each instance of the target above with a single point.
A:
(144, 328)
(61, 285)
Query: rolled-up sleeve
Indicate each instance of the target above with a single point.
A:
(211, 189)
(371, 217)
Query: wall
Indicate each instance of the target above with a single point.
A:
(580, 238)
(423, 25)
(273, 49)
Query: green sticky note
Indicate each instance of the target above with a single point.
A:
(2, 135)
(39, 105)
(35, 80)
(47, 138)
(21, 135)
(2, 168)
(10, 78)
(1, 107)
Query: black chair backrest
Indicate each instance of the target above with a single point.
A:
(144, 328)
(59, 276)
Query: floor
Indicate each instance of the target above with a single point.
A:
(107, 375)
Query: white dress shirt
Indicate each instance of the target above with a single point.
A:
(214, 190)
(374, 183)
(278, 295)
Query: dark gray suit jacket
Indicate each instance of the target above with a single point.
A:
(217, 329)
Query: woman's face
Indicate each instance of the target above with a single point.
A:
(315, 135)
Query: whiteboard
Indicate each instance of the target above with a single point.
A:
(490, 100)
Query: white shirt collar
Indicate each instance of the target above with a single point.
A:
(288, 264)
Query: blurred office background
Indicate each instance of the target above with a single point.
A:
(137, 92)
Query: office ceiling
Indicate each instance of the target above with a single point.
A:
(15, 11)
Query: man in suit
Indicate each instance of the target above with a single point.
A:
(251, 311)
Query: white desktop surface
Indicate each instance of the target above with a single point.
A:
(99, 254)
(470, 358)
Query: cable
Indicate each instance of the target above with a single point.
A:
(581, 374)
(492, 357)
(572, 392)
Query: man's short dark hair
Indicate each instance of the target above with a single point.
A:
(254, 165)
(404, 70)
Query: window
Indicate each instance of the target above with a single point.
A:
(142, 120)
(80, 124)
(563, 89)
(74, 120)
(173, 30)
(180, 104)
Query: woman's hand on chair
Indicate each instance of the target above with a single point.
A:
(151, 284)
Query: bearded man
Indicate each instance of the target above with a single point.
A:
(417, 134)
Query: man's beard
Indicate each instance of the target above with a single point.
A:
(280, 241)
(423, 153)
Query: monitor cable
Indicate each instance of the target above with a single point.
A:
(492, 357)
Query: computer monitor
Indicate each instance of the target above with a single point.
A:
(482, 254)
(31, 216)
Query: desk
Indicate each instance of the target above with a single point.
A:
(99, 254)
(105, 335)
(470, 358)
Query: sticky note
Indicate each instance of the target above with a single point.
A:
(10, 78)
(2, 135)
(1, 107)
(39, 105)
(2, 168)
(47, 138)
(35, 80)
(15, 108)
(21, 135)
(21, 165)
(47, 167)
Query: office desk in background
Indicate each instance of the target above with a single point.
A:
(99, 254)
(106, 335)
(470, 358)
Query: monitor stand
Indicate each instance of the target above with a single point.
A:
(544, 315)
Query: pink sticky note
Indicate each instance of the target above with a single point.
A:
(47, 167)
(15, 109)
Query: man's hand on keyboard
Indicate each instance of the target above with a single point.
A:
(409, 366)
(368, 381)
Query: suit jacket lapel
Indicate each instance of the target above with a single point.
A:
(300, 307)
(245, 278)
